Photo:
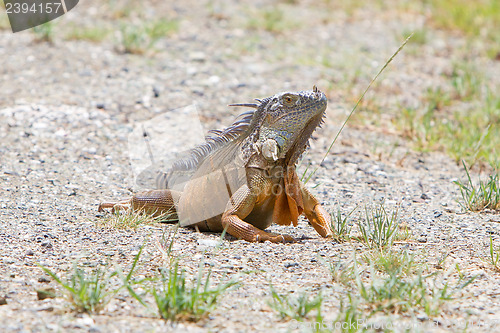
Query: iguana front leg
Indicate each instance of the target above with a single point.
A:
(315, 213)
(239, 207)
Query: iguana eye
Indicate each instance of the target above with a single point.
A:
(289, 100)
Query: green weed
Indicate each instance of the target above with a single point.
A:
(44, 32)
(391, 262)
(87, 292)
(474, 18)
(349, 317)
(393, 283)
(484, 196)
(403, 234)
(139, 38)
(441, 259)
(167, 242)
(466, 82)
(340, 225)
(398, 293)
(91, 292)
(177, 301)
(297, 307)
(437, 99)
(272, 19)
(459, 118)
(93, 34)
(419, 35)
(494, 256)
(341, 273)
(379, 229)
(422, 127)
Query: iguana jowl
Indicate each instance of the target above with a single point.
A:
(243, 178)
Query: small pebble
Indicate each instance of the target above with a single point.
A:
(293, 264)
(45, 293)
(47, 245)
(43, 279)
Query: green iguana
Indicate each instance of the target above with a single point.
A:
(243, 178)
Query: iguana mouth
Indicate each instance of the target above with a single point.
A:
(300, 144)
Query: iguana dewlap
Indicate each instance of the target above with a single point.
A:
(243, 178)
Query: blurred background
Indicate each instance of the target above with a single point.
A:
(441, 93)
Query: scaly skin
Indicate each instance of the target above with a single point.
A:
(243, 179)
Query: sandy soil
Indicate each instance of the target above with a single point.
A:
(67, 110)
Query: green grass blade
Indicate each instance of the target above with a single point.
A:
(357, 104)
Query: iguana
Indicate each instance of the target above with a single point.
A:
(243, 178)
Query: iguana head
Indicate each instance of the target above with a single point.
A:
(278, 127)
(287, 121)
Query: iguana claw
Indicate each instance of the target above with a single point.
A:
(275, 238)
(115, 206)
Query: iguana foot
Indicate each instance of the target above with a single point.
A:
(115, 206)
(240, 229)
(275, 238)
(320, 220)
(316, 214)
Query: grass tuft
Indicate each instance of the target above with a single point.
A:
(295, 307)
(139, 38)
(349, 317)
(340, 226)
(459, 117)
(380, 228)
(131, 219)
(91, 292)
(494, 256)
(44, 32)
(479, 18)
(87, 292)
(484, 196)
(398, 293)
(392, 262)
(387, 283)
(94, 34)
(342, 273)
(176, 301)
(272, 19)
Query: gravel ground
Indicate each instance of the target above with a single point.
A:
(67, 110)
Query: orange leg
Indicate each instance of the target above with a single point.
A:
(315, 213)
(240, 205)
